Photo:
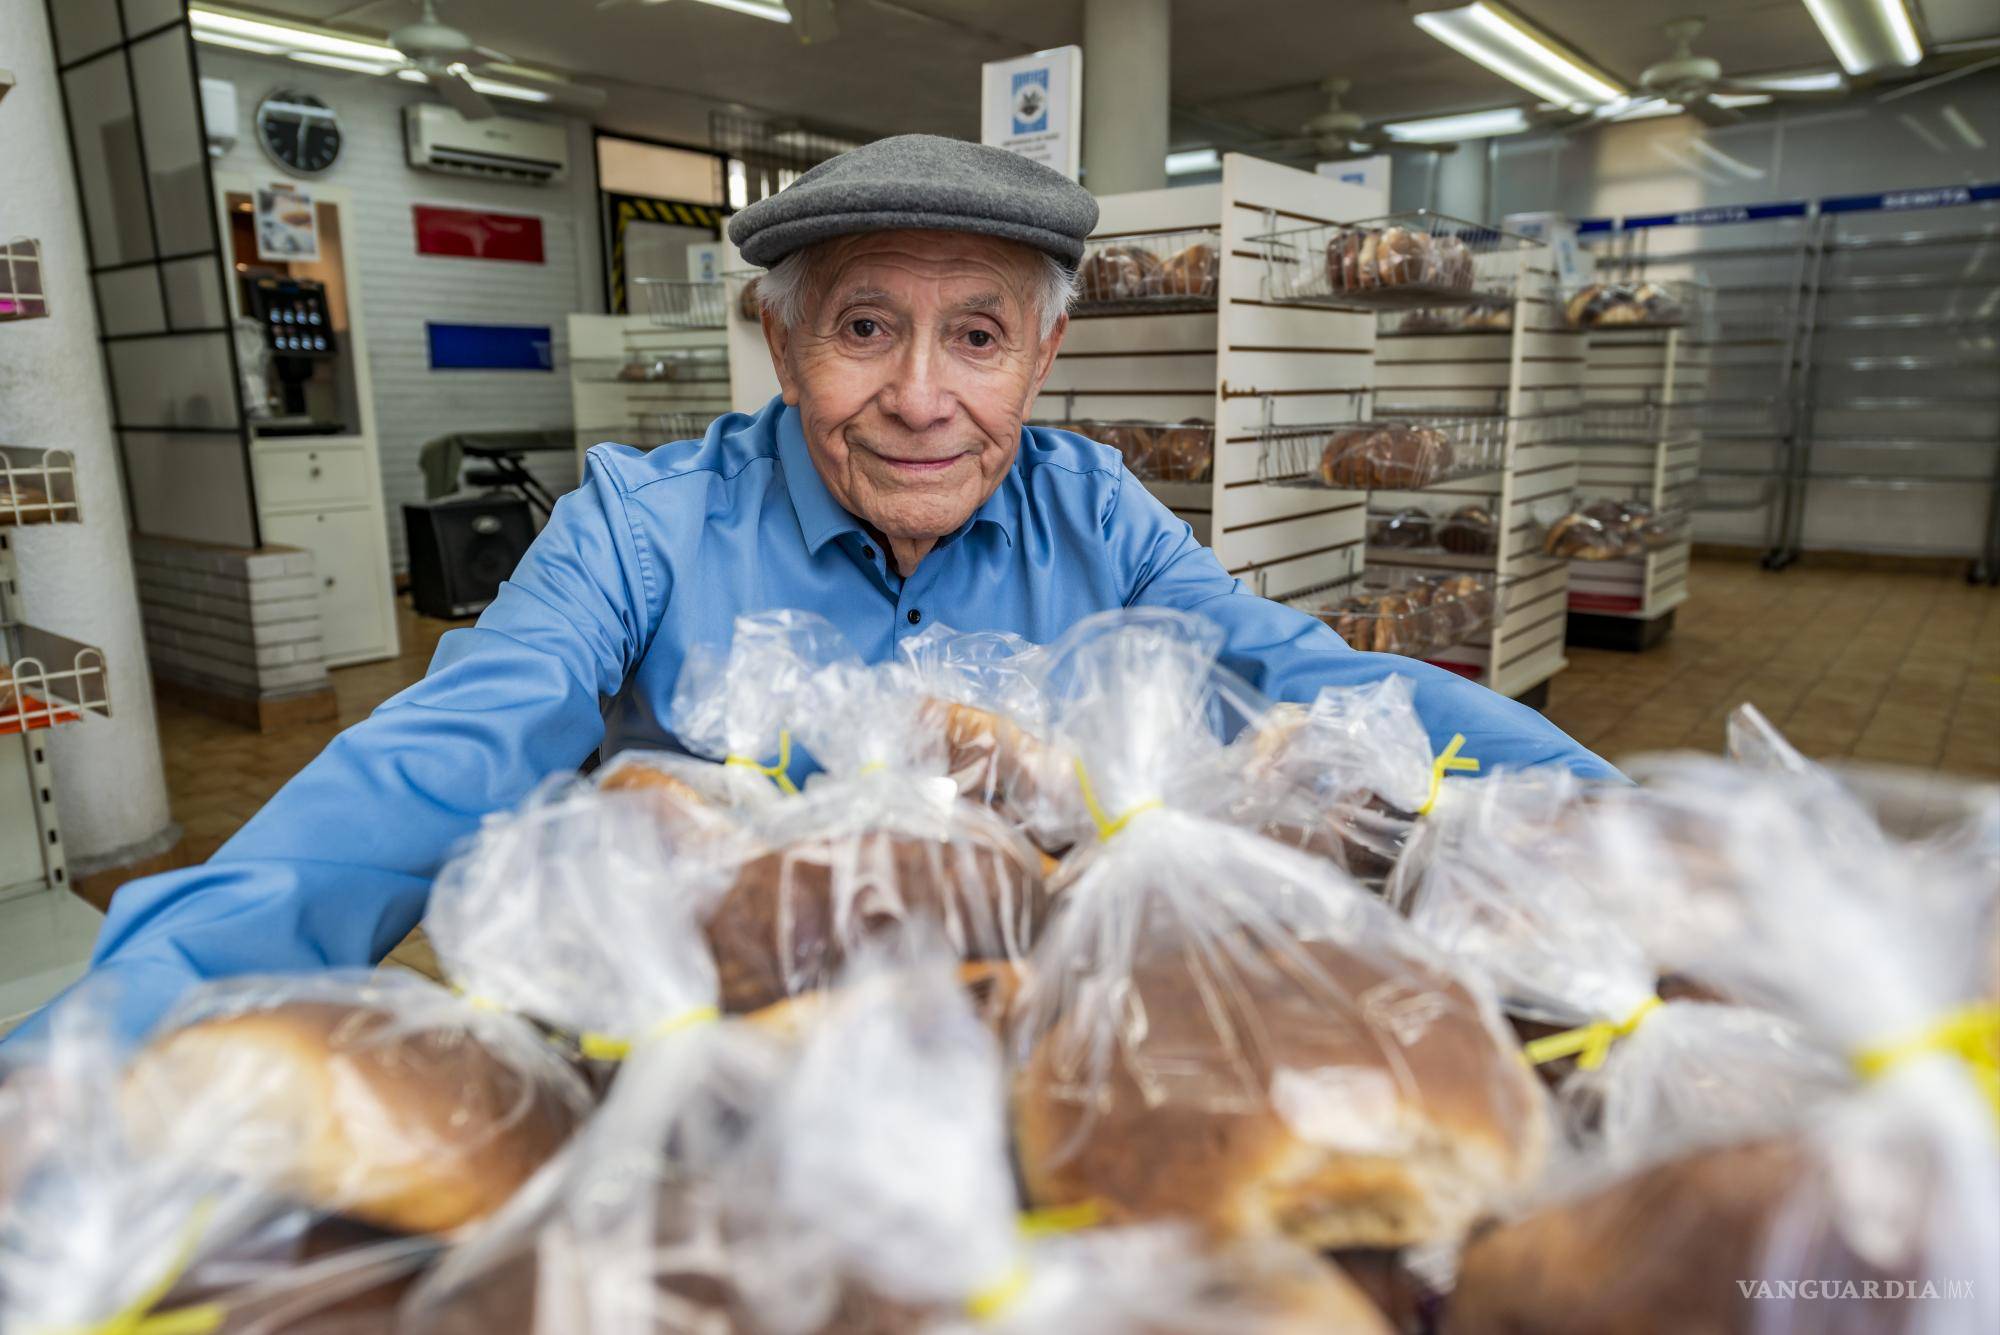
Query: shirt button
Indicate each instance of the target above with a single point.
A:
(915, 616)
(868, 553)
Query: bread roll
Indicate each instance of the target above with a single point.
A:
(786, 924)
(1579, 310)
(1408, 457)
(1389, 1112)
(1118, 273)
(22, 502)
(1403, 257)
(1191, 272)
(418, 1130)
(993, 760)
(1184, 453)
(1407, 528)
(1348, 459)
(1469, 530)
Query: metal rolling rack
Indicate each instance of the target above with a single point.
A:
(1754, 264)
(1899, 386)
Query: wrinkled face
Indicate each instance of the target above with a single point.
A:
(915, 363)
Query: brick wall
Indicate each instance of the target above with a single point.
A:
(233, 620)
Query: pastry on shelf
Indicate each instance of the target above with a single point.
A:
(1119, 273)
(1407, 528)
(1470, 530)
(1190, 272)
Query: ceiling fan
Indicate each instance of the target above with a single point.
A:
(1334, 135)
(1697, 85)
(454, 65)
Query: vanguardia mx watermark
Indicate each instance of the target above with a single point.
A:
(1792, 1290)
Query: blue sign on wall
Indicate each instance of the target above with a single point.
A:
(1031, 101)
(490, 347)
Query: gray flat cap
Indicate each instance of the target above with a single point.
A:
(926, 182)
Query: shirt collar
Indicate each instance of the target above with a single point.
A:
(822, 518)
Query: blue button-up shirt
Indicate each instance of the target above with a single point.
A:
(658, 551)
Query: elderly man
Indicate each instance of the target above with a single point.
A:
(914, 305)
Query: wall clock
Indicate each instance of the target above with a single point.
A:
(299, 131)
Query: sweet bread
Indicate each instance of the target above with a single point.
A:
(1469, 530)
(1118, 273)
(1190, 272)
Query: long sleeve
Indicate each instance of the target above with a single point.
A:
(336, 868)
(1290, 656)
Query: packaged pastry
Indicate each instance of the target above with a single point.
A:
(1222, 1029)
(22, 502)
(1579, 537)
(1395, 456)
(1470, 530)
(1406, 528)
(749, 307)
(880, 844)
(1183, 453)
(983, 694)
(1190, 272)
(1119, 273)
(732, 709)
(117, 1212)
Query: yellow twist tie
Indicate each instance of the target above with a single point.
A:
(1593, 1041)
(873, 767)
(1451, 760)
(986, 1303)
(611, 1048)
(138, 1318)
(1970, 1033)
(775, 773)
(1106, 826)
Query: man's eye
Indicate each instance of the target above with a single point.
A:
(863, 328)
(980, 338)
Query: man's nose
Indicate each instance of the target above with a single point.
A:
(918, 394)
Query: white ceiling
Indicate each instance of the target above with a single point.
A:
(1241, 68)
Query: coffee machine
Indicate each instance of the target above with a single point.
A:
(299, 359)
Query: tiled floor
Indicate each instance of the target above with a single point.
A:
(1881, 666)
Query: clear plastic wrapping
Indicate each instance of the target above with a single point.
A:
(1155, 451)
(983, 691)
(1150, 272)
(1405, 611)
(1227, 1030)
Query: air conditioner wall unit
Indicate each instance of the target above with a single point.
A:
(439, 139)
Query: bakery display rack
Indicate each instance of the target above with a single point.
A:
(1638, 458)
(1132, 273)
(1405, 610)
(677, 304)
(1394, 448)
(1158, 364)
(1525, 379)
(639, 382)
(1402, 262)
(22, 295)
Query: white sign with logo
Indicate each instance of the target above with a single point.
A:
(1034, 106)
(705, 262)
(1368, 173)
(1558, 233)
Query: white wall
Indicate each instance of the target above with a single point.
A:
(401, 289)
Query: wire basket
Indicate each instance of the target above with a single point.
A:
(683, 366)
(22, 295)
(1470, 530)
(1610, 529)
(1633, 424)
(1410, 612)
(1150, 271)
(673, 304)
(664, 428)
(1155, 451)
(1400, 262)
(46, 680)
(1481, 317)
(1388, 453)
(37, 486)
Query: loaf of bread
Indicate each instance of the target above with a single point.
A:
(1119, 273)
(1387, 1111)
(993, 761)
(1406, 528)
(1190, 272)
(1470, 530)
(1392, 456)
(414, 1129)
(1578, 536)
(790, 917)
(22, 502)
(1183, 453)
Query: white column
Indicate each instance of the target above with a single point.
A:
(1127, 50)
(76, 579)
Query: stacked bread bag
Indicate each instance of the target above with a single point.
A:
(880, 839)
(1220, 1029)
(1506, 883)
(879, 1198)
(582, 911)
(284, 1153)
(1876, 1209)
(983, 693)
(732, 708)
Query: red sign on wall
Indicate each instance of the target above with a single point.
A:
(473, 234)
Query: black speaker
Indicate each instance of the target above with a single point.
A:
(460, 550)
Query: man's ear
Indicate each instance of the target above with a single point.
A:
(779, 340)
(1045, 356)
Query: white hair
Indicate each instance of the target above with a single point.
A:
(786, 288)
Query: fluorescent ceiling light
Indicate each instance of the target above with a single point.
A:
(1507, 44)
(1962, 127)
(1470, 125)
(773, 10)
(1825, 81)
(1740, 100)
(208, 23)
(490, 87)
(236, 43)
(1639, 109)
(1867, 35)
(1193, 160)
(339, 62)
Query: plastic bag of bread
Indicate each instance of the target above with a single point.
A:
(879, 841)
(114, 1213)
(1222, 1029)
(1638, 1065)
(882, 1199)
(734, 705)
(1875, 1211)
(982, 692)
(581, 912)
(1365, 758)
